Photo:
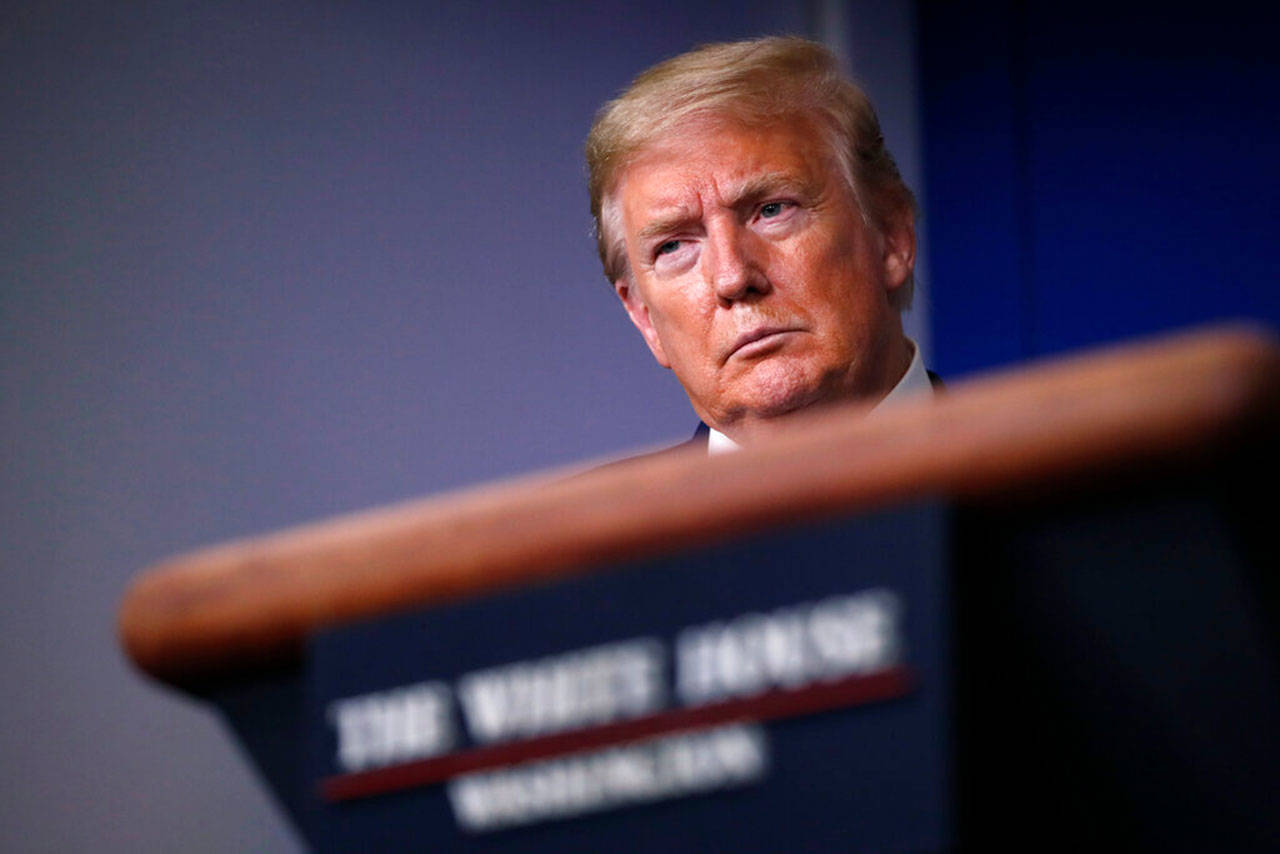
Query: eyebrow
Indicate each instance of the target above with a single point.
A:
(768, 184)
(668, 223)
(748, 192)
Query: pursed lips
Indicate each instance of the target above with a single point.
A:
(759, 333)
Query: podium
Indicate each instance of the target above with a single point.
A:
(1039, 609)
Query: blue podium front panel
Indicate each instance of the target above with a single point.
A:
(786, 691)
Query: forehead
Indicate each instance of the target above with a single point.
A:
(715, 159)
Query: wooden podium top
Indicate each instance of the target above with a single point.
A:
(247, 606)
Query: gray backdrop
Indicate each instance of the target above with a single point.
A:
(266, 262)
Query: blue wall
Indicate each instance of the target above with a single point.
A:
(1096, 171)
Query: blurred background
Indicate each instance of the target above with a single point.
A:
(266, 262)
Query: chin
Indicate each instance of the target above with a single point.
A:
(783, 392)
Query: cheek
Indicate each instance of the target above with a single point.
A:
(827, 274)
(848, 254)
(680, 316)
(843, 294)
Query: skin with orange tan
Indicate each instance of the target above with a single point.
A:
(754, 275)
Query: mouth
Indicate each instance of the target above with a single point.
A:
(758, 341)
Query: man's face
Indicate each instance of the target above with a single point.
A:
(754, 275)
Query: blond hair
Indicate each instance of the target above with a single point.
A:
(753, 82)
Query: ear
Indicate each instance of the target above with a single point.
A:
(638, 311)
(899, 250)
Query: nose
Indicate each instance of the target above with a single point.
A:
(731, 262)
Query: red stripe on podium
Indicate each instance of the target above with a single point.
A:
(774, 705)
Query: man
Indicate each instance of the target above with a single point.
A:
(758, 233)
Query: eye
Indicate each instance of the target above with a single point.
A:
(667, 248)
(771, 209)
